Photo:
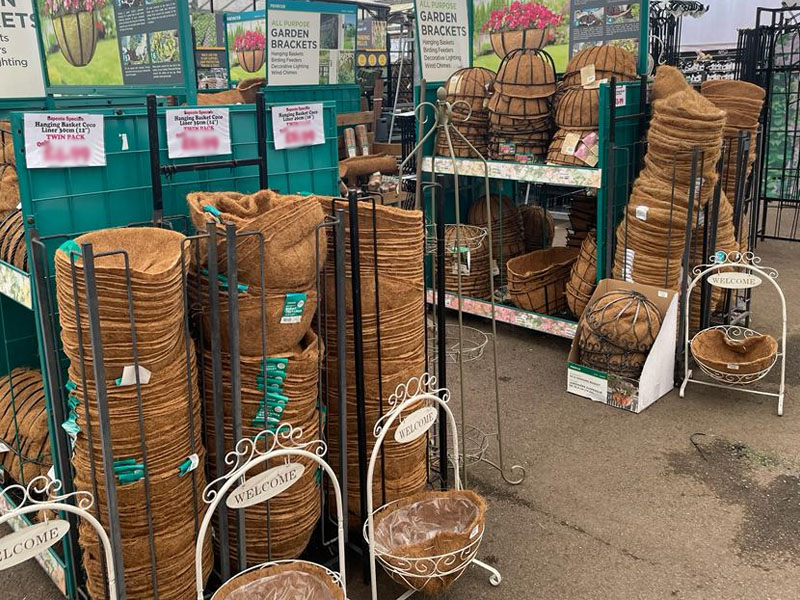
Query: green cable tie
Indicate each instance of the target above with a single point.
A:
(71, 386)
(212, 210)
(131, 477)
(128, 469)
(125, 461)
(184, 467)
(318, 475)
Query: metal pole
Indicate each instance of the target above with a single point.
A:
(341, 352)
(155, 159)
(217, 395)
(441, 335)
(99, 370)
(235, 371)
(358, 350)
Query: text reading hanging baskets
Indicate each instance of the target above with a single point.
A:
(427, 541)
(264, 467)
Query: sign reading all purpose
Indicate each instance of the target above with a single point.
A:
(443, 37)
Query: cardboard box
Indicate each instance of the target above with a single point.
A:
(658, 374)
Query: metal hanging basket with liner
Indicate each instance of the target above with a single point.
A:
(536, 280)
(734, 354)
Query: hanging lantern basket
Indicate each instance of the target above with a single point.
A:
(76, 36)
(251, 60)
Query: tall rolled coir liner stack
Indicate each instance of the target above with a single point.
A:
(652, 237)
(9, 183)
(400, 310)
(742, 103)
(576, 108)
(171, 425)
(519, 109)
(507, 236)
(279, 371)
(468, 93)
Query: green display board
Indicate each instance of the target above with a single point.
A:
(116, 47)
(246, 45)
(311, 43)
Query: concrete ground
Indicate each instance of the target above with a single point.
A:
(693, 499)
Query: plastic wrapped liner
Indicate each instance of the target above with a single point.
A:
(287, 585)
(424, 520)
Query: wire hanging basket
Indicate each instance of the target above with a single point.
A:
(761, 354)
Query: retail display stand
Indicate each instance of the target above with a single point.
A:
(459, 349)
(430, 404)
(737, 270)
(43, 495)
(282, 446)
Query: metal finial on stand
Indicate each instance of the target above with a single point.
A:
(443, 126)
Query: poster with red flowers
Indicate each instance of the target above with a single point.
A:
(502, 25)
(247, 45)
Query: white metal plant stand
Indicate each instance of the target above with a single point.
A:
(735, 271)
(32, 540)
(417, 572)
(283, 444)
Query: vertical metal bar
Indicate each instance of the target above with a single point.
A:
(441, 334)
(155, 159)
(99, 370)
(235, 371)
(341, 352)
(687, 269)
(378, 341)
(358, 350)
(261, 124)
(608, 229)
(54, 395)
(217, 394)
(709, 246)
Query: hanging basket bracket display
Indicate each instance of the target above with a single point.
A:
(425, 560)
(32, 540)
(280, 449)
(733, 356)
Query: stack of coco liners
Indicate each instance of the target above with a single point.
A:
(506, 223)
(651, 239)
(9, 183)
(467, 249)
(576, 107)
(468, 93)
(279, 354)
(157, 446)
(742, 103)
(519, 109)
(23, 425)
(392, 297)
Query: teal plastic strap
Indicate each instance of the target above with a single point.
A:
(70, 247)
(185, 467)
(128, 470)
(212, 210)
(71, 386)
(223, 283)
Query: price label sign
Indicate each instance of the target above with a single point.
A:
(193, 132)
(64, 140)
(298, 126)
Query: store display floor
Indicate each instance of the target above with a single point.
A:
(624, 506)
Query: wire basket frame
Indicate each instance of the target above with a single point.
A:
(417, 572)
(280, 445)
(736, 264)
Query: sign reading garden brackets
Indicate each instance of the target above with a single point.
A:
(310, 43)
(444, 39)
(20, 65)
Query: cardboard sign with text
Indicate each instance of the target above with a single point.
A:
(298, 126)
(64, 140)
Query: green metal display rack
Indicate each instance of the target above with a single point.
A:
(621, 122)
